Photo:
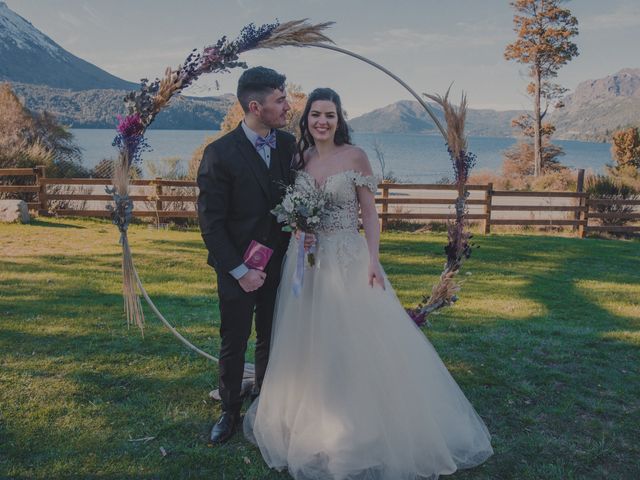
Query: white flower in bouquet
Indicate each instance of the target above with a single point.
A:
(302, 208)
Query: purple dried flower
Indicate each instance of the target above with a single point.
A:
(251, 35)
(130, 126)
(462, 164)
(130, 138)
(417, 315)
(141, 102)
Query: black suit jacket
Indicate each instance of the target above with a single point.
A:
(237, 193)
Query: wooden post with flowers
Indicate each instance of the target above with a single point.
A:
(459, 247)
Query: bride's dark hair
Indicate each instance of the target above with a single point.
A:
(306, 140)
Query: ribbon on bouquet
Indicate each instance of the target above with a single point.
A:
(298, 275)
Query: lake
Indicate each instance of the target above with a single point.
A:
(419, 158)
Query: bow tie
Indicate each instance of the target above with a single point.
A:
(269, 140)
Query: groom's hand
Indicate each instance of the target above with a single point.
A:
(252, 280)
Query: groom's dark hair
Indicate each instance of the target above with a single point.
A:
(256, 83)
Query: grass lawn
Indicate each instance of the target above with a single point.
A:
(545, 342)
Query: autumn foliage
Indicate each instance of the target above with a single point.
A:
(625, 151)
(30, 139)
(625, 148)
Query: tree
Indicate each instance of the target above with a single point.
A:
(544, 31)
(297, 100)
(387, 175)
(55, 137)
(196, 156)
(625, 151)
(15, 119)
(625, 148)
(232, 118)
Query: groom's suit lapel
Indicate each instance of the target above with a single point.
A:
(253, 160)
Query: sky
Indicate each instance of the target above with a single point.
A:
(427, 43)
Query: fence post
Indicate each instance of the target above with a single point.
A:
(385, 207)
(488, 196)
(158, 193)
(42, 189)
(581, 202)
(582, 229)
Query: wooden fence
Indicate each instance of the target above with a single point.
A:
(172, 199)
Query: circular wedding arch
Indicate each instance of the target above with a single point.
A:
(145, 104)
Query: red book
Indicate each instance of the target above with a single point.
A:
(257, 256)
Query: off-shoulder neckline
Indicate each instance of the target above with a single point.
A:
(324, 183)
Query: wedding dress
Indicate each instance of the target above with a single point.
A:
(353, 389)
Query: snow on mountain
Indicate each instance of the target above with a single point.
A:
(29, 56)
(16, 32)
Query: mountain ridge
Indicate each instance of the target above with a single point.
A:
(99, 108)
(599, 107)
(408, 116)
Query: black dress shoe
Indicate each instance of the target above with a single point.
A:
(224, 429)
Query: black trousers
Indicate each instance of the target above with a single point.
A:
(236, 318)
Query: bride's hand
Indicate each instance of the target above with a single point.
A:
(375, 275)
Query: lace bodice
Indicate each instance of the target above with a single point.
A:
(342, 188)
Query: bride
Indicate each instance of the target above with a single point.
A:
(353, 389)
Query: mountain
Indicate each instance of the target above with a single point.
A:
(98, 108)
(408, 116)
(27, 55)
(599, 107)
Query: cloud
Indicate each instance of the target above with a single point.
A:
(91, 13)
(248, 7)
(626, 17)
(70, 19)
(86, 20)
(399, 39)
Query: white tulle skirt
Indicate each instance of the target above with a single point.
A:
(353, 389)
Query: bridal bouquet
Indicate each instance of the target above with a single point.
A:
(302, 208)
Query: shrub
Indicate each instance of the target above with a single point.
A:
(608, 188)
(555, 181)
(519, 159)
(28, 140)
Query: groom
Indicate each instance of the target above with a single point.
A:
(241, 178)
